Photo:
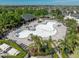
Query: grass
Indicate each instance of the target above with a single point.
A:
(16, 46)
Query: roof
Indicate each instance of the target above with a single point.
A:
(75, 15)
(13, 51)
(28, 17)
(4, 47)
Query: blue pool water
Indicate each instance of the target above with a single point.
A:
(39, 2)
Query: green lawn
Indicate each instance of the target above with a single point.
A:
(16, 46)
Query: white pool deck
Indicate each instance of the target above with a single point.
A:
(42, 30)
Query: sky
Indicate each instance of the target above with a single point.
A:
(39, 2)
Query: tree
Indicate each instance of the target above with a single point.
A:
(41, 12)
(68, 45)
(44, 46)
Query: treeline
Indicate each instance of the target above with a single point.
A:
(11, 17)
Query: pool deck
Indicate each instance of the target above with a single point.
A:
(61, 32)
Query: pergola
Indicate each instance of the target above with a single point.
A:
(28, 17)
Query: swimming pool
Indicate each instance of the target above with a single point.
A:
(39, 2)
(42, 30)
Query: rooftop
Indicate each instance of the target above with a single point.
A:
(13, 51)
(28, 17)
(4, 47)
